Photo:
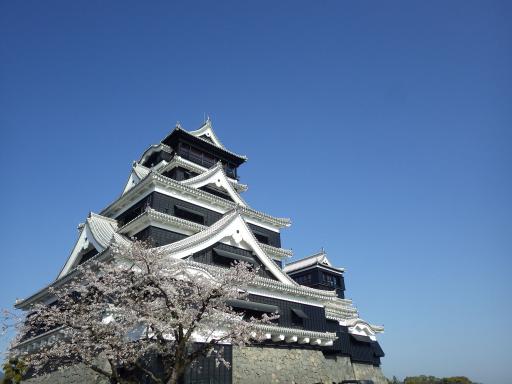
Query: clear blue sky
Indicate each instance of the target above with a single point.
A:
(383, 129)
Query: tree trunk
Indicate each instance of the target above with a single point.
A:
(177, 371)
(174, 377)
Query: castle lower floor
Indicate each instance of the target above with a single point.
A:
(250, 365)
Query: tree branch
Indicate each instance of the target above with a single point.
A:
(149, 373)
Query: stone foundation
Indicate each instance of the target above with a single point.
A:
(255, 365)
(76, 374)
(369, 372)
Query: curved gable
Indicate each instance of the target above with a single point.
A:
(217, 177)
(231, 229)
(97, 232)
(206, 132)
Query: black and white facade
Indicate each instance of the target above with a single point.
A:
(184, 196)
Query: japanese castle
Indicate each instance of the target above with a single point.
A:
(184, 196)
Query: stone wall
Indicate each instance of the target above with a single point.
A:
(76, 374)
(365, 371)
(255, 365)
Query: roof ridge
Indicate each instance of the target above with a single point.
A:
(318, 254)
(153, 175)
(245, 158)
(185, 162)
(203, 130)
(190, 241)
(200, 227)
(101, 217)
(211, 172)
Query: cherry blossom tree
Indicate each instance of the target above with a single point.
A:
(141, 314)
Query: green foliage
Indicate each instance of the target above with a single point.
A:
(434, 380)
(14, 371)
(456, 380)
(422, 380)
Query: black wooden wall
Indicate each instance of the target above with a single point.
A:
(158, 236)
(368, 351)
(207, 256)
(365, 351)
(167, 204)
(179, 173)
(315, 280)
(316, 315)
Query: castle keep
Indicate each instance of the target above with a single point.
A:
(184, 195)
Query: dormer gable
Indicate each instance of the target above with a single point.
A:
(95, 235)
(231, 230)
(319, 258)
(216, 178)
(137, 173)
(206, 132)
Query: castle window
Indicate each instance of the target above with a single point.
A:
(184, 150)
(304, 279)
(298, 317)
(208, 160)
(230, 170)
(261, 238)
(329, 279)
(226, 258)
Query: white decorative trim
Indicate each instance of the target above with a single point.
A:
(278, 253)
(161, 220)
(194, 134)
(97, 230)
(153, 148)
(234, 229)
(318, 258)
(172, 223)
(80, 245)
(298, 293)
(137, 173)
(358, 326)
(178, 161)
(100, 230)
(317, 266)
(175, 188)
(335, 308)
(42, 294)
(272, 332)
(217, 177)
(280, 333)
(207, 130)
(257, 290)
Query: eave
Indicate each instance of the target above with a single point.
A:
(154, 179)
(217, 177)
(153, 148)
(230, 227)
(207, 130)
(160, 219)
(179, 133)
(338, 271)
(295, 290)
(318, 259)
(336, 308)
(271, 332)
(43, 292)
(295, 335)
(178, 161)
